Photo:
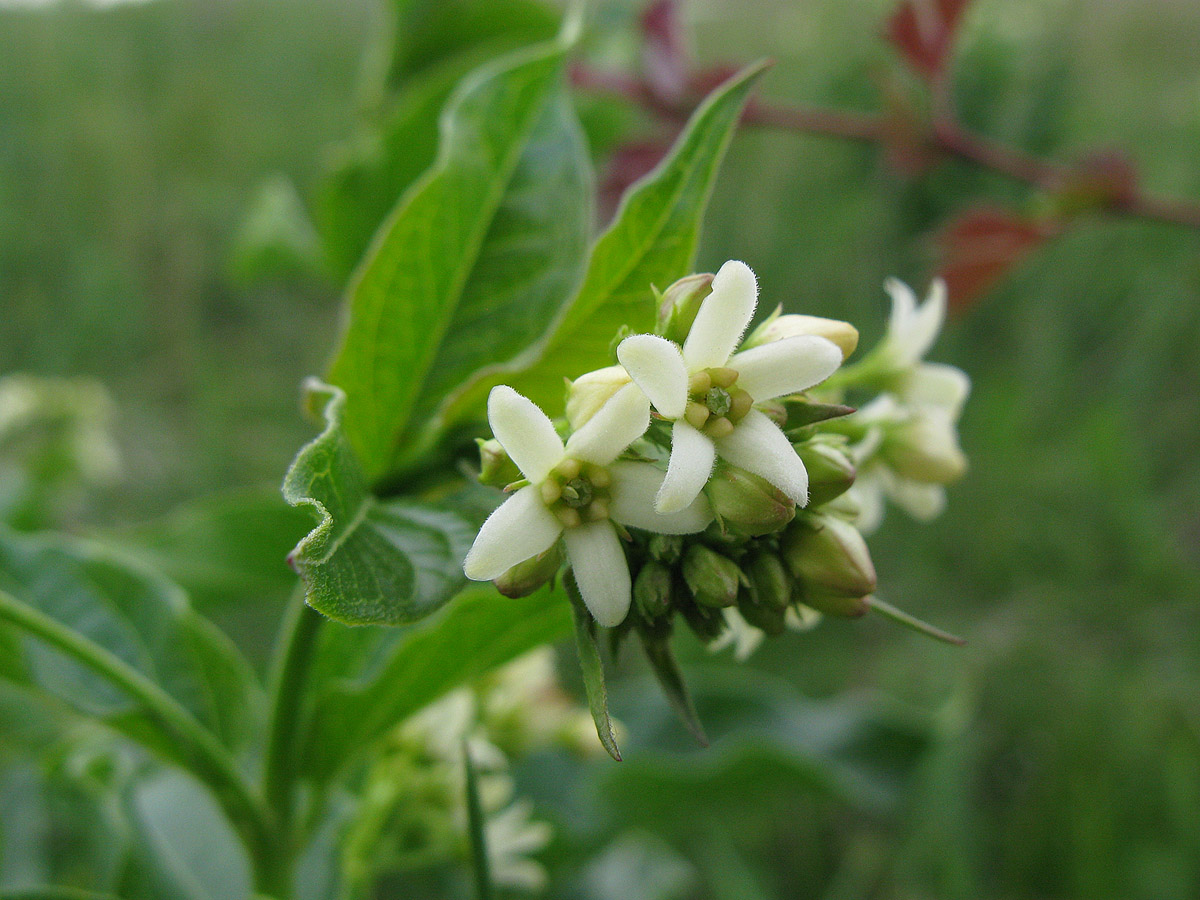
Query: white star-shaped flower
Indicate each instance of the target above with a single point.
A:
(577, 491)
(913, 328)
(709, 392)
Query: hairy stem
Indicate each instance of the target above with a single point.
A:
(298, 635)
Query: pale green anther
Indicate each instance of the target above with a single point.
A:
(598, 476)
(718, 427)
(723, 376)
(567, 469)
(718, 401)
(699, 383)
(740, 404)
(551, 490)
(569, 517)
(696, 414)
(597, 511)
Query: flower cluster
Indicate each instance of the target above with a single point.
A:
(719, 479)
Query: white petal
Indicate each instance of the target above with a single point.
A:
(620, 422)
(757, 445)
(904, 306)
(657, 366)
(691, 463)
(938, 384)
(524, 431)
(601, 571)
(520, 528)
(786, 367)
(929, 319)
(722, 318)
(921, 501)
(634, 485)
(867, 492)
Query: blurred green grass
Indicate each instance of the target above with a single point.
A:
(132, 140)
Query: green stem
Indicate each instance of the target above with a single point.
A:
(900, 617)
(298, 635)
(207, 759)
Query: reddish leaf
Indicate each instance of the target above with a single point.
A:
(981, 246)
(923, 31)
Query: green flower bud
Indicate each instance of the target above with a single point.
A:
(829, 559)
(770, 619)
(652, 590)
(679, 304)
(770, 584)
(587, 393)
(748, 503)
(495, 467)
(666, 548)
(778, 327)
(707, 623)
(925, 448)
(526, 577)
(830, 471)
(712, 578)
(836, 605)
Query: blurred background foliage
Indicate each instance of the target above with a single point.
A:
(185, 185)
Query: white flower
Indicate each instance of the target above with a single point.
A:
(709, 392)
(780, 327)
(576, 491)
(746, 638)
(912, 330)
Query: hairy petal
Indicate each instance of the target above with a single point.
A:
(524, 432)
(621, 420)
(722, 318)
(601, 571)
(657, 367)
(634, 485)
(692, 458)
(787, 366)
(520, 527)
(757, 445)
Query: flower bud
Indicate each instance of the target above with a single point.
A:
(496, 469)
(837, 605)
(652, 590)
(666, 548)
(526, 577)
(767, 618)
(925, 448)
(830, 471)
(679, 304)
(712, 578)
(748, 503)
(770, 584)
(830, 560)
(587, 393)
(778, 327)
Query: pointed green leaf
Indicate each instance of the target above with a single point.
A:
(408, 669)
(470, 266)
(593, 668)
(369, 560)
(670, 678)
(652, 241)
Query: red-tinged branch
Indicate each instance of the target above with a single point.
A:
(946, 135)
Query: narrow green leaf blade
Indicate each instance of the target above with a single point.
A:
(476, 831)
(652, 241)
(470, 265)
(670, 678)
(476, 633)
(593, 669)
(369, 561)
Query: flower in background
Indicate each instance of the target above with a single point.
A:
(576, 491)
(708, 392)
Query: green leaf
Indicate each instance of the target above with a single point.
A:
(593, 668)
(476, 633)
(140, 618)
(54, 893)
(369, 560)
(652, 241)
(466, 272)
(666, 670)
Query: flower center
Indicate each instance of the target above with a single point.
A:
(577, 492)
(715, 402)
